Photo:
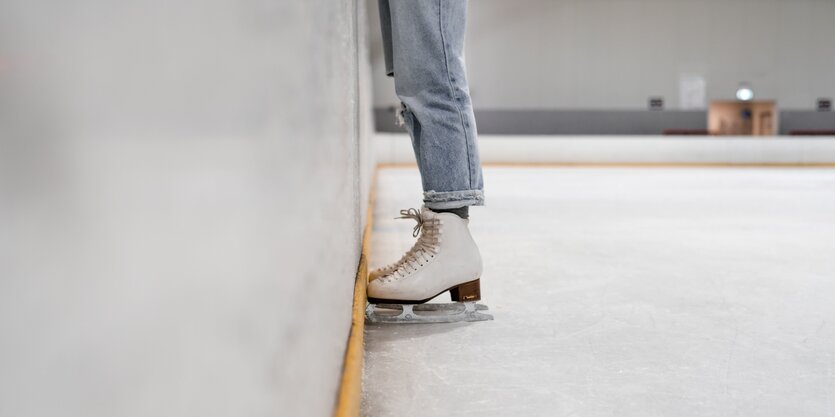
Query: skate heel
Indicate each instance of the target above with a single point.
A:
(468, 291)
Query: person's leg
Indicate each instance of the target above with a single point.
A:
(426, 51)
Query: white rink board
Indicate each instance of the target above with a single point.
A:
(624, 291)
(397, 149)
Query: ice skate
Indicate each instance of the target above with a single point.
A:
(444, 258)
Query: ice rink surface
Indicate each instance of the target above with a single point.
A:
(624, 292)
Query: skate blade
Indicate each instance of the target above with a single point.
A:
(432, 306)
(426, 313)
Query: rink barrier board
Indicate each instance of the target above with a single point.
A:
(349, 397)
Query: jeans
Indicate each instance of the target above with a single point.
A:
(423, 41)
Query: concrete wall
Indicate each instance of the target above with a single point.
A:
(614, 54)
(181, 192)
(608, 56)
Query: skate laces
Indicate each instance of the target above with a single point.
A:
(413, 214)
(428, 233)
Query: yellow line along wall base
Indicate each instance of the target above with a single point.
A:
(349, 400)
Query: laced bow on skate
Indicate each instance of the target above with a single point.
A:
(413, 214)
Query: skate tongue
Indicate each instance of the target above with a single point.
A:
(427, 214)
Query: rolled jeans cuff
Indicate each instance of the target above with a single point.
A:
(453, 199)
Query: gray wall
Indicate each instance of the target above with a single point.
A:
(181, 192)
(609, 122)
(612, 55)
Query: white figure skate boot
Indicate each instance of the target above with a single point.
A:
(444, 258)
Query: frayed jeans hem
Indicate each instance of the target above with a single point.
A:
(453, 199)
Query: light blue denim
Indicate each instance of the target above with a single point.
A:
(423, 42)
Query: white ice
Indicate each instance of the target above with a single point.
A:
(625, 292)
